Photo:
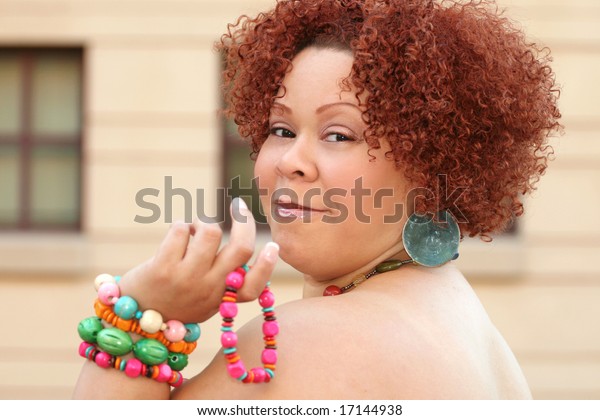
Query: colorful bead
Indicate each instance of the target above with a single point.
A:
(126, 307)
(192, 333)
(270, 328)
(389, 265)
(236, 370)
(153, 372)
(103, 359)
(109, 293)
(234, 279)
(133, 368)
(175, 331)
(121, 365)
(332, 290)
(150, 351)
(266, 299)
(151, 321)
(269, 356)
(259, 375)
(232, 358)
(228, 309)
(249, 377)
(103, 278)
(177, 361)
(176, 379)
(90, 352)
(229, 339)
(83, 348)
(164, 373)
(89, 328)
(182, 347)
(114, 341)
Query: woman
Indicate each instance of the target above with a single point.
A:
(376, 125)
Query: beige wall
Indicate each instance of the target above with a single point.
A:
(151, 93)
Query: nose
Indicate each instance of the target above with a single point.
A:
(297, 160)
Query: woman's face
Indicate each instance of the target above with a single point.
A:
(332, 208)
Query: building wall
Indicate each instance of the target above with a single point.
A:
(151, 93)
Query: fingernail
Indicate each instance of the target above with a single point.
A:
(271, 252)
(238, 203)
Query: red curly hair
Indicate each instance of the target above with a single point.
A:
(453, 86)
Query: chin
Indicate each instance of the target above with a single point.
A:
(309, 259)
(296, 253)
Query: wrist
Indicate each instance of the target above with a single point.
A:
(137, 342)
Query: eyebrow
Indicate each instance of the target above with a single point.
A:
(320, 109)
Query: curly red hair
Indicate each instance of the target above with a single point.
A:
(453, 86)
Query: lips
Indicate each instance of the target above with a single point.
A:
(288, 209)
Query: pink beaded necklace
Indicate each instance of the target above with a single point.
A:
(228, 310)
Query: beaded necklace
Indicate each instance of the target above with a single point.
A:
(383, 267)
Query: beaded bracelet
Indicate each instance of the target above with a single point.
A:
(150, 321)
(131, 325)
(132, 367)
(116, 342)
(228, 310)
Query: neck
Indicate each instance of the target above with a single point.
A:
(314, 286)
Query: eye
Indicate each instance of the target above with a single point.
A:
(338, 137)
(282, 132)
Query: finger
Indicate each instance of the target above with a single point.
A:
(240, 247)
(260, 273)
(203, 246)
(174, 245)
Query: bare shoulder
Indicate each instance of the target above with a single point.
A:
(394, 339)
(302, 341)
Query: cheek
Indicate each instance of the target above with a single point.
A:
(378, 196)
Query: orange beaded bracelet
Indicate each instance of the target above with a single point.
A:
(132, 325)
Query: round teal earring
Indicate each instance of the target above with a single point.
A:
(431, 240)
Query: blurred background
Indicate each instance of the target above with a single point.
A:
(109, 131)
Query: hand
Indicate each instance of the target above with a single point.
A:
(185, 280)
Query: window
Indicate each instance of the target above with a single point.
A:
(40, 138)
(238, 175)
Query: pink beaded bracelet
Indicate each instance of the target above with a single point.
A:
(132, 367)
(228, 310)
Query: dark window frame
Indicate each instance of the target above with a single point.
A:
(25, 139)
(233, 144)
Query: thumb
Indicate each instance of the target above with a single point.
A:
(260, 273)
